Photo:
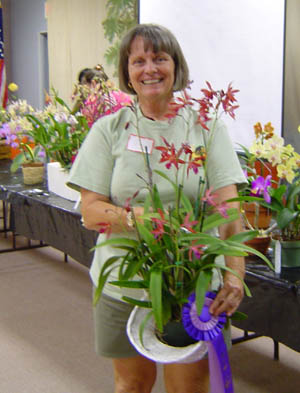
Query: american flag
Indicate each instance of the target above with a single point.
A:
(3, 85)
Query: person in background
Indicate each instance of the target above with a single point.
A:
(86, 75)
(152, 67)
(87, 78)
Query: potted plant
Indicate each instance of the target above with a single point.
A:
(285, 206)
(267, 163)
(175, 253)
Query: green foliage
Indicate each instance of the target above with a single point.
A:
(121, 17)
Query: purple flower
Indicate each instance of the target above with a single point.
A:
(260, 186)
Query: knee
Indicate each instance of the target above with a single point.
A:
(134, 384)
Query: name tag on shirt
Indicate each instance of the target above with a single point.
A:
(140, 144)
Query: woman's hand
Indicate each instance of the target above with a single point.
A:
(97, 209)
(229, 297)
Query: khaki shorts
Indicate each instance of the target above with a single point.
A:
(110, 319)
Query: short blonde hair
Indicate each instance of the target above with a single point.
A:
(160, 39)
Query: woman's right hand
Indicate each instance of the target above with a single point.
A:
(97, 209)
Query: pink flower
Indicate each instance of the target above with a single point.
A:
(189, 224)
(209, 197)
(260, 186)
(105, 227)
(196, 250)
(222, 209)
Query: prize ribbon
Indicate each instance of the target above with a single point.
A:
(206, 327)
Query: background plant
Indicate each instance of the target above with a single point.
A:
(122, 15)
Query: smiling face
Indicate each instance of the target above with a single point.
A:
(151, 74)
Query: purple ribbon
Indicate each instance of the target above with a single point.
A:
(206, 327)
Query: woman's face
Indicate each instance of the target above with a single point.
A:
(151, 74)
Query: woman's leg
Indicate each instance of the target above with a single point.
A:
(134, 375)
(187, 378)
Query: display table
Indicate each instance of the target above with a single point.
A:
(273, 310)
(40, 215)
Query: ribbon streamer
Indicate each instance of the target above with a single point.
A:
(206, 327)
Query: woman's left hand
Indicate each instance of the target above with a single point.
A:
(229, 297)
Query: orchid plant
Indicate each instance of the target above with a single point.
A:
(174, 252)
(274, 184)
(56, 132)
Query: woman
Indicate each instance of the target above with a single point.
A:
(152, 67)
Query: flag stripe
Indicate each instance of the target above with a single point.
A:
(3, 85)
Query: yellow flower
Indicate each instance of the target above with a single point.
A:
(295, 160)
(286, 172)
(299, 128)
(269, 130)
(257, 149)
(257, 129)
(13, 87)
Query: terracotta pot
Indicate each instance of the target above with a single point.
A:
(260, 244)
(259, 217)
(33, 173)
(265, 169)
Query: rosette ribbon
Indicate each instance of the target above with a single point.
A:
(206, 327)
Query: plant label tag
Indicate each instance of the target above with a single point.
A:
(140, 144)
(277, 258)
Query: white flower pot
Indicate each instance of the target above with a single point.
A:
(156, 350)
(57, 178)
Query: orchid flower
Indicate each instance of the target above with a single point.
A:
(260, 186)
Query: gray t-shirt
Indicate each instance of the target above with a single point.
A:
(110, 162)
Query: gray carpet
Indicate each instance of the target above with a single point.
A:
(46, 334)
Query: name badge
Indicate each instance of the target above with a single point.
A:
(140, 144)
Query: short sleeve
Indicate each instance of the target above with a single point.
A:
(93, 165)
(223, 166)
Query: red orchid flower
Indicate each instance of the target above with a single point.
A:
(105, 227)
(127, 205)
(158, 224)
(195, 249)
(170, 155)
(179, 103)
(187, 224)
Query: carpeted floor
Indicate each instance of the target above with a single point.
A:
(46, 334)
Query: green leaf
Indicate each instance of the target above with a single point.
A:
(155, 290)
(98, 292)
(239, 316)
(216, 219)
(285, 217)
(202, 283)
(118, 242)
(17, 162)
(130, 284)
(136, 302)
(244, 236)
(251, 250)
(143, 325)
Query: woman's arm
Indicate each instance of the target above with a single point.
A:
(230, 296)
(97, 209)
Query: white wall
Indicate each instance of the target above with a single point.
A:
(238, 41)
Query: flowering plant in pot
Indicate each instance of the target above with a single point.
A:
(16, 130)
(267, 163)
(175, 252)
